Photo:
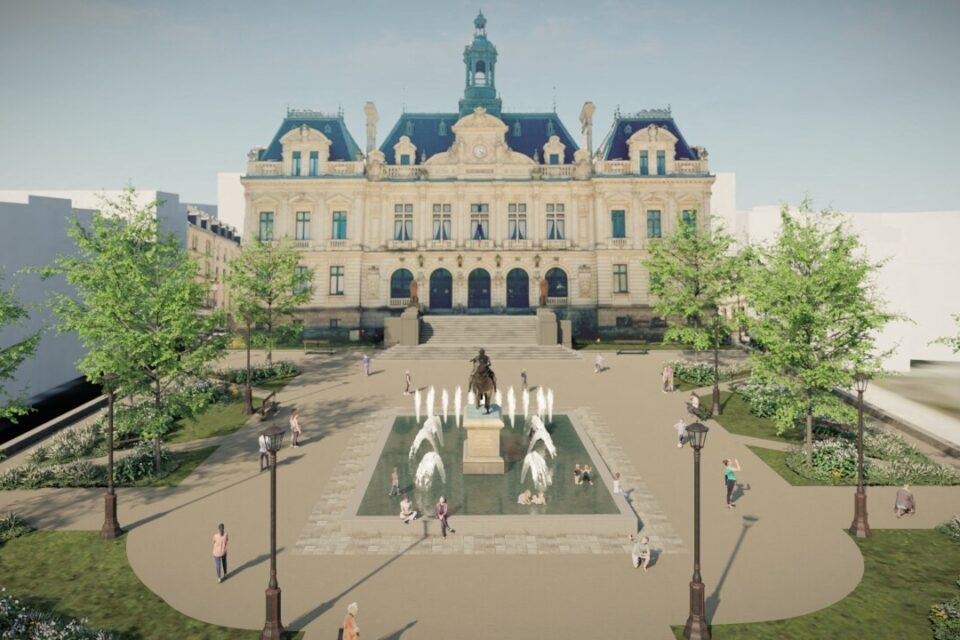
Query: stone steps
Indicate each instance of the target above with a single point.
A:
(478, 330)
(469, 350)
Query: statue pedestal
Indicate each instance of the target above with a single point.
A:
(481, 450)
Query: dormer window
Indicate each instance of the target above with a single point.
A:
(661, 163)
(405, 159)
(314, 163)
(296, 163)
(554, 158)
(644, 163)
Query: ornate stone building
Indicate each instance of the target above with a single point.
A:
(478, 206)
(212, 243)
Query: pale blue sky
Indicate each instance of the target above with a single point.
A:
(854, 103)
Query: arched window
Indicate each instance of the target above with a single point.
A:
(556, 283)
(480, 74)
(400, 283)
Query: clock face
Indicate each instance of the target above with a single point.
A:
(480, 151)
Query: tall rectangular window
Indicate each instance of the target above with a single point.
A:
(339, 225)
(517, 221)
(403, 222)
(644, 163)
(266, 226)
(690, 218)
(653, 223)
(296, 163)
(554, 158)
(314, 163)
(303, 225)
(620, 278)
(555, 221)
(661, 163)
(618, 223)
(303, 282)
(405, 159)
(479, 221)
(441, 222)
(336, 281)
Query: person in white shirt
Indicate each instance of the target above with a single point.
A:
(407, 514)
(264, 454)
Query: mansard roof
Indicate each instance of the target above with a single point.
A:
(424, 131)
(342, 144)
(614, 145)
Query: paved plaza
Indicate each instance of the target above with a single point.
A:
(782, 552)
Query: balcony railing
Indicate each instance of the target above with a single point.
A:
(401, 244)
(479, 244)
(516, 244)
(275, 168)
(557, 300)
(338, 244)
(442, 244)
(556, 170)
(616, 167)
(620, 243)
(399, 302)
(400, 171)
(344, 168)
(690, 167)
(265, 168)
(301, 244)
(556, 244)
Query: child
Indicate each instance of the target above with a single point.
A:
(577, 475)
(394, 483)
(617, 489)
(295, 428)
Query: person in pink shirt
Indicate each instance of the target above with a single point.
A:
(295, 429)
(220, 540)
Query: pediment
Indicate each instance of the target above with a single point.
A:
(306, 134)
(479, 121)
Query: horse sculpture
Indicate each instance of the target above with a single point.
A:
(483, 382)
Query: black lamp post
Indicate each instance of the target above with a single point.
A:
(273, 628)
(111, 527)
(696, 627)
(860, 528)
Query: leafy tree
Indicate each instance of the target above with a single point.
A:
(816, 315)
(691, 273)
(267, 284)
(13, 355)
(138, 311)
(951, 341)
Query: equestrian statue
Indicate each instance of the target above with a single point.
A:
(483, 381)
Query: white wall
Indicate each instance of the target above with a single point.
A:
(917, 280)
(231, 204)
(32, 234)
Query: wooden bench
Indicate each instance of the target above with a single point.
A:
(632, 352)
(314, 343)
(269, 406)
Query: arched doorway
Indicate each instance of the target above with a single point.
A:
(478, 289)
(441, 289)
(557, 283)
(400, 283)
(518, 289)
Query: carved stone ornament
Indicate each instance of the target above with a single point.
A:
(373, 283)
(585, 280)
(652, 131)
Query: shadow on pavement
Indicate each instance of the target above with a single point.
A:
(399, 632)
(318, 611)
(712, 602)
(252, 562)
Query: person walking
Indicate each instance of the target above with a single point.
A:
(220, 539)
(598, 364)
(681, 429)
(617, 487)
(350, 629)
(264, 454)
(905, 504)
(394, 483)
(730, 467)
(693, 405)
(295, 429)
(665, 378)
(366, 364)
(407, 379)
(443, 514)
(640, 553)
(523, 379)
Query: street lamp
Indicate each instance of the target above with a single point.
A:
(273, 628)
(696, 627)
(111, 528)
(860, 528)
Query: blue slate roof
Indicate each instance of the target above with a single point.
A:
(424, 131)
(614, 146)
(342, 144)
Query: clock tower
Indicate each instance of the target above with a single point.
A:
(480, 58)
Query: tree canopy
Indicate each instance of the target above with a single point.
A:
(12, 355)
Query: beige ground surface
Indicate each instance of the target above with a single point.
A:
(794, 558)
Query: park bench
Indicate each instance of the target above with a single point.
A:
(269, 406)
(632, 352)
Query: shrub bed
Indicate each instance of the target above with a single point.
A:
(701, 373)
(945, 618)
(259, 374)
(132, 469)
(19, 621)
(12, 526)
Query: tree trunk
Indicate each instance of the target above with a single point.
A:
(248, 390)
(157, 463)
(716, 377)
(809, 437)
(269, 336)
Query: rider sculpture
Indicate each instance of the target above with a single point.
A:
(483, 382)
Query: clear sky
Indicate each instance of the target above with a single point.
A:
(855, 103)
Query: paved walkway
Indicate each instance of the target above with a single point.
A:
(756, 558)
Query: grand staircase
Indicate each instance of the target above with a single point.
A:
(458, 337)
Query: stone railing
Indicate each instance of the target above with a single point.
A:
(399, 302)
(516, 244)
(556, 170)
(557, 300)
(615, 167)
(442, 244)
(337, 244)
(556, 244)
(353, 168)
(395, 171)
(690, 166)
(619, 243)
(265, 168)
(401, 244)
(301, 244)
(479, 244)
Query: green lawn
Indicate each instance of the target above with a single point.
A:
(219, 419)
(776, 461)
(189, 460)
(274, 384)
(76, 574)
(736, 418)
(614, 346)
(905, 571)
